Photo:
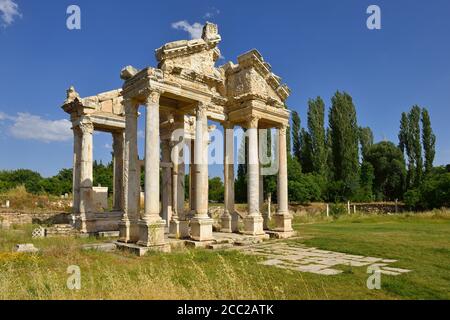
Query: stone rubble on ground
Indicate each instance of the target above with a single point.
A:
(298, 257)
(26, 248)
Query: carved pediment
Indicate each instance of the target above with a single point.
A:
(253, 76)
(192, 58)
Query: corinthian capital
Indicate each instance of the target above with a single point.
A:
(153, 97)
(252, 122)
(283, 130)
(86, 127)
(202, 108)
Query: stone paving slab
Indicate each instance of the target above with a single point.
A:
(300, 258)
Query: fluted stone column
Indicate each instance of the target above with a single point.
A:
(151, 226)
(179, 227)
(86, 176)
(253, 223)
(283, 219)
(181, 184)
(76, 170)
(201, 224)
(128, 227)
(118, 154)
(192, 180)
(166, 196)
(229, 221)
(262, 143)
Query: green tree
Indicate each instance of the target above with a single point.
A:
(330, 162)
(306, 161)
(389, 170)
(317, 148)
(216, 190)
(414, 122)
(345, 142)
(240, 186)
(303, 188)
(365, 139)
(434, 192)
(428, 140)
(366, 182)
(403, 134)
(296, 134)
(415, 145)
(103, 175)
(288, 141)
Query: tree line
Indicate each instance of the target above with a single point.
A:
(341, 161)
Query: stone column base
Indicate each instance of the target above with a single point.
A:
(179, 229)
(283, 222)
(253, 225)
(80, 223)
(128, 232)
(151, 233)
(201, 229)
(225, 223)
(235, 222)
(266, 221)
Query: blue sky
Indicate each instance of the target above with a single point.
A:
(317, 47)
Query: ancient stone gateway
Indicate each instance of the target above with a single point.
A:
(182, 93)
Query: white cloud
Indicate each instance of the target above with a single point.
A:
(107, 146)
(31, 127)
(195, 30)
(210, 14)
(9, 10)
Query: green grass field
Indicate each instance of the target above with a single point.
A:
(419, 242)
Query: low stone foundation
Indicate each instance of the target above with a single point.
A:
(8, 219)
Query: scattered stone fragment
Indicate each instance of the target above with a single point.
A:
(399, 270)
(26, 248)
(358, 264)
(389, 261)
(272, 262)
(328, 272)
(390, 273)
(105, 247)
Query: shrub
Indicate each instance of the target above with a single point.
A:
(337, 210)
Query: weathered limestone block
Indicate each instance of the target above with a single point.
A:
(100, 198)
(128, 72)
(26, 248)
(106, 106)
(109, 95)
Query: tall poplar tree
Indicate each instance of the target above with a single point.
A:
(403, 134)
(317, 148)
(345, 141)
(296, 134)
(414, 140)
(306, 161)
(428, 140)
(365, 139)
